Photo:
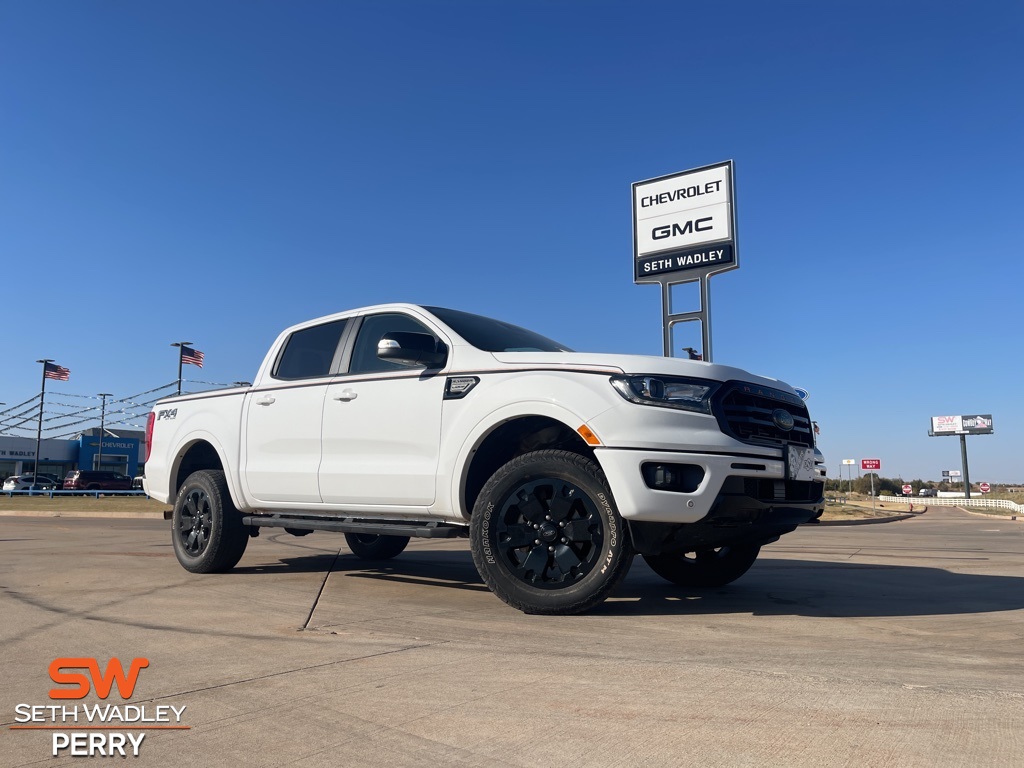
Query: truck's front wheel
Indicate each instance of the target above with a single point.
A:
(206, 529)
(705, 567)
(546, 536)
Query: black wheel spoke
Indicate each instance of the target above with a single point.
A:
(516, 536)
(578, 531)
(530, 507)
(566, 558)
(561, 503)
(536, 562)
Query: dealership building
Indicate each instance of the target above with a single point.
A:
(123, 454)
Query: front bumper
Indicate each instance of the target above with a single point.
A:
(719, 481)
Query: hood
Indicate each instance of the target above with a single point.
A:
(636, 364)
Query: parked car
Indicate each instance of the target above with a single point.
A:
(91, 480)
(137, 482)
(29, 482)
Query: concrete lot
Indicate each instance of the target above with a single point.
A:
(899, 644)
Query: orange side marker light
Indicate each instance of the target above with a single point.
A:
(588, 435)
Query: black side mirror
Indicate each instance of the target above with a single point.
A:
(412, 349)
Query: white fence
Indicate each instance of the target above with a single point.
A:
(961, 502)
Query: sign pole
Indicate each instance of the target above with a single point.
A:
(963, 460)
(703, 315)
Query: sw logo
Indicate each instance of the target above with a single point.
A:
(104, 729)
(103, 682)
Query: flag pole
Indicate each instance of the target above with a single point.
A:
(103, 419)
(39, 430)
(180, 345)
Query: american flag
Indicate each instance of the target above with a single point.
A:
(192, 356)
(57, 372)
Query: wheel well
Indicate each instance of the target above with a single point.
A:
(199, 456)
(514, 438)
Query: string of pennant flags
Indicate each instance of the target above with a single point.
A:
(58, 416)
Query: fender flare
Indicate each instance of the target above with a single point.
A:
(484, 427)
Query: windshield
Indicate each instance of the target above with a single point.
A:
(493, 335)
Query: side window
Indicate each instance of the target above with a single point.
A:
(308, 353)
(364, 356)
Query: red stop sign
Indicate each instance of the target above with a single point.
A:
(985, 487)
(908, 489)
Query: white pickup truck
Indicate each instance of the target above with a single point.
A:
(398, 420)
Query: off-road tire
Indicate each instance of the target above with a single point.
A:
(206, 529)
(546, 536)
(369, 546)
(705, 567)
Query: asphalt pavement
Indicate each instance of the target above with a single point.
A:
(894, 645)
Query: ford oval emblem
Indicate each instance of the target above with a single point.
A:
(783, 419)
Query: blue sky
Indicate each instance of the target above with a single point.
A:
(215, 171)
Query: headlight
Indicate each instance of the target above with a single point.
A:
(667, 392)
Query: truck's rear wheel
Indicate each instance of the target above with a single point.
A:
(546, 536)
(705, 567)
(370, 546)
(206, 529)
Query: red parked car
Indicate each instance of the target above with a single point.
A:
(89, 480)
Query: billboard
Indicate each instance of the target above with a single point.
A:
(961, 425)
(684, 225)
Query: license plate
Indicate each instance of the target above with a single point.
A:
(799, 463)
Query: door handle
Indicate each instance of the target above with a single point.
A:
(265, 400)
(346, 394)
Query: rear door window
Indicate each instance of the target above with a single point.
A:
(309, 353)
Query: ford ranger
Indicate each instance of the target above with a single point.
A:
(400, 421)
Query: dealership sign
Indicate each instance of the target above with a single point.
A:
(684, 225)
(962, 425)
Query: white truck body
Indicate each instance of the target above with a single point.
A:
(361, 437)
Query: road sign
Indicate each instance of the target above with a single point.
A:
(985, 487)
(907, 489)
(870, 463)
(684, 225)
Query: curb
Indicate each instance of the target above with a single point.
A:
(1014, 518)
(870, 520)
(85, 513)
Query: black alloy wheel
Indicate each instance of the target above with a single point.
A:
(195, 522)
(546, 536)
(206, 529)
(549, 533)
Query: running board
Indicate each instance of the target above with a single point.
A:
(431, 530)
